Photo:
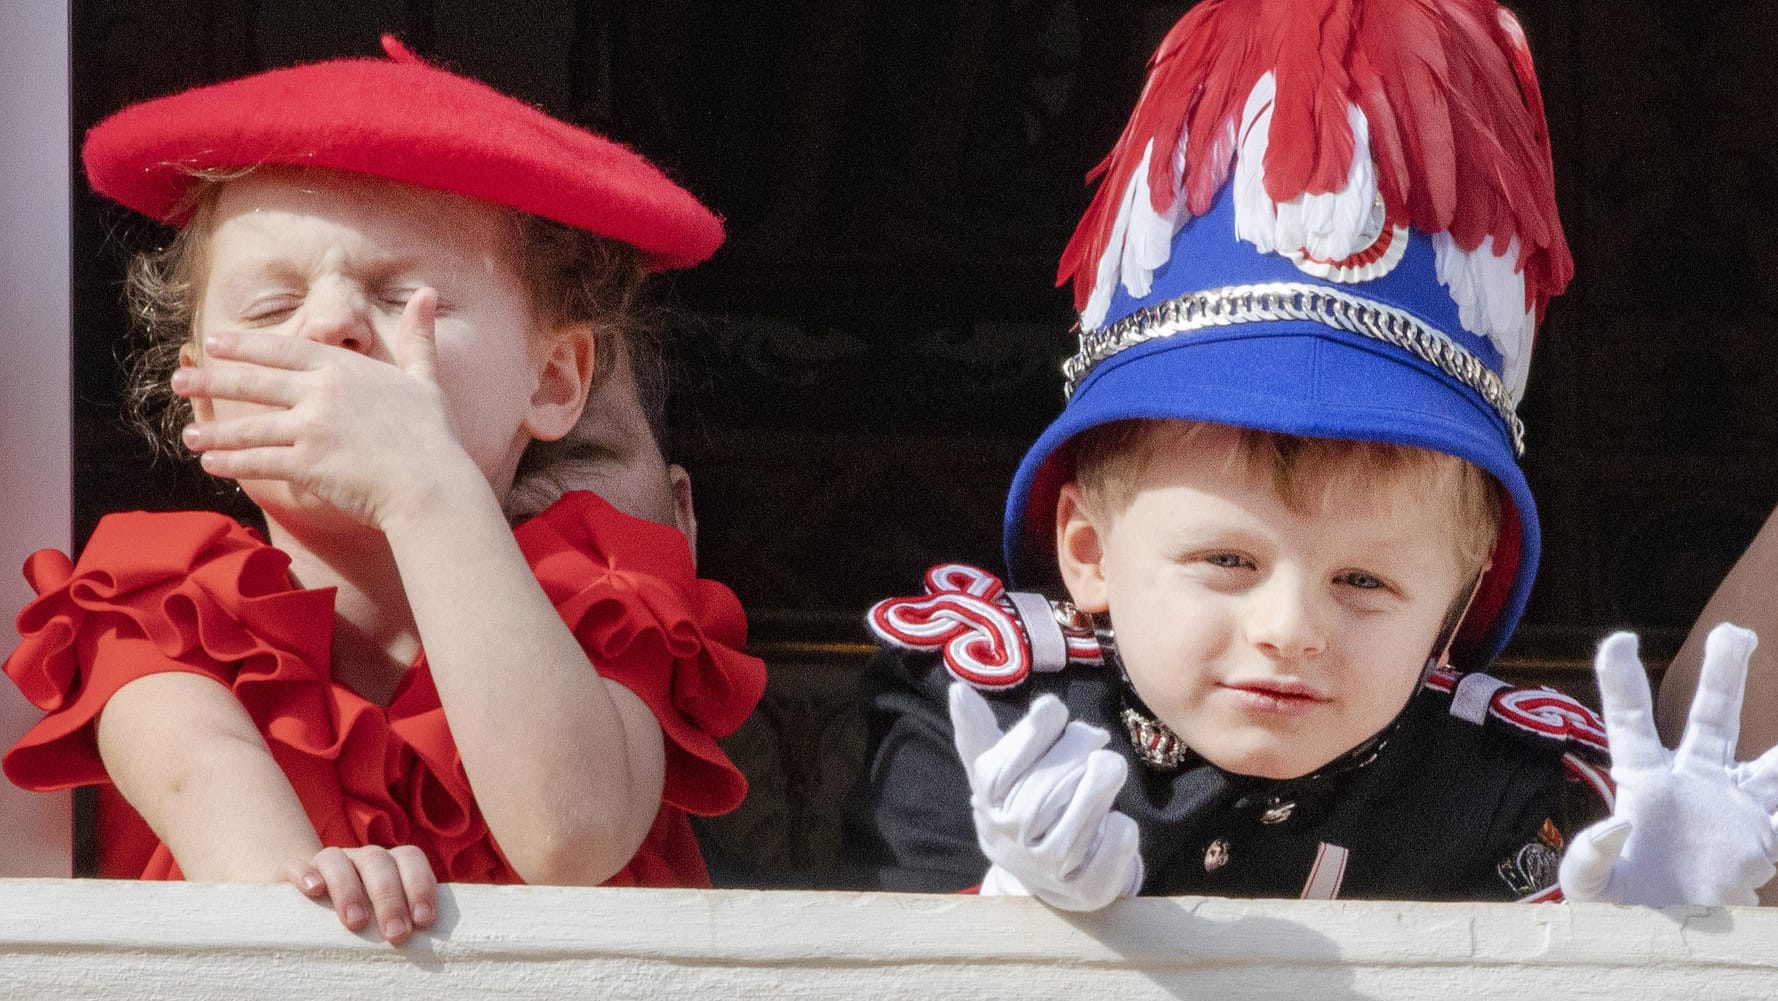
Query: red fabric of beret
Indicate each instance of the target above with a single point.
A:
(403, 120)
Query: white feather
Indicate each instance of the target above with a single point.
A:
(1329, 226)
(1489, 290)
(1256, 217)
(1148, 243)
(1141, 243)
(1105, 275)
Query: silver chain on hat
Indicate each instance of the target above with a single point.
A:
(1233, 305)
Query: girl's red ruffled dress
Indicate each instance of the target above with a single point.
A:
(197, 592)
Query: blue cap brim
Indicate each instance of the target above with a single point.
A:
(1293, 377)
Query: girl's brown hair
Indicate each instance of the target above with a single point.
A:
(569, 276)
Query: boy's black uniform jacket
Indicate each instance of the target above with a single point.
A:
(1445, 809)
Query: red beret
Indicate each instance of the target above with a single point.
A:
(406, 121)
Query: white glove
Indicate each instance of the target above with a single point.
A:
(1692, 826)
(1042, 797)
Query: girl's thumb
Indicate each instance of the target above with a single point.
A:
(416, 350)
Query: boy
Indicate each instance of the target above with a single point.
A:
(1284, 500)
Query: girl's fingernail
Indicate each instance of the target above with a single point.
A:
(355, 916)
(191, 436)
(394, 928)
(422, 914)
(312, 883)
(181, 380)
(212, 343)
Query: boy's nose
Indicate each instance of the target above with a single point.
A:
(339, 317)
(1283, 621)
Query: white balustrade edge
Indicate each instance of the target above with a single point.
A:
(63, 939)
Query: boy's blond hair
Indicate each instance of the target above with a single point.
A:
(1110, 460)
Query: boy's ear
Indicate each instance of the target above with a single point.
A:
(563, 377)
(1080, 551)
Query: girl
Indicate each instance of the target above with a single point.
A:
(388, 282)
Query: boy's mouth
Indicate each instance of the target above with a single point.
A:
(1276, 695)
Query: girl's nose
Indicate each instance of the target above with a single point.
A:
(338, 316)
(1283, 619)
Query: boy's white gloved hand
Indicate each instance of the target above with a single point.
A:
(1691, 826)
(1042, 796)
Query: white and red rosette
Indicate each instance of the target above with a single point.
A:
(960, 615)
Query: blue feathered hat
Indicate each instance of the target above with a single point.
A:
(1329, 219)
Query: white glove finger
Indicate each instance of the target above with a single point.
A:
(1001, 766)
(1592, 854)
(1759, 779)
(973, 726)
(1038, 800)
(1744, 874)
(1715, 721)
(1036, 803)
(1626, 705)
(1071, 843)
(1115, 869)
(1123, 840)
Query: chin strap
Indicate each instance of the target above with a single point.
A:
(1440, 656)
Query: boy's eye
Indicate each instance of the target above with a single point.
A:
(1232, 561)
(396, 298)
(1361, 580)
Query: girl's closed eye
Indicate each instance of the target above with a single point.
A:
(269, 309)
(396, 298)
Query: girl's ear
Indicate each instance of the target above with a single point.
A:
(683, 514)
(1080, 550)
(563, 376)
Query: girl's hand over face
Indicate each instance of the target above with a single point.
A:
(369, 438)
(396, 885)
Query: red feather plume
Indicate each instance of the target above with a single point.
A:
(1457, 127)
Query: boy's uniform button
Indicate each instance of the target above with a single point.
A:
(1216, 855)
(1277, 811)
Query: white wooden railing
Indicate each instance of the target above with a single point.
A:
(88, 939)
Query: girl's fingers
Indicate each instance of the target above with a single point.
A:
(270, 463)
(349, 899)
(419, 882)
(300, 874)
(268, 429)
(264, 350)
(416, 346)
(382, 880)
(272, 387)
(394, 885)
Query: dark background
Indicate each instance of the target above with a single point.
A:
(866, 359)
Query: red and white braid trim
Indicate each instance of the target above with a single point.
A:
(990, 637)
